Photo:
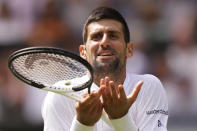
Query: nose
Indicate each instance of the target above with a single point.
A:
(105, 41)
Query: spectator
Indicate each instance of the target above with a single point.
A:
(50, 30)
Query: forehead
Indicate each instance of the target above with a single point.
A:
(105, 25)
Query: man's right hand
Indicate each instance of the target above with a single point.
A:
(90, 109)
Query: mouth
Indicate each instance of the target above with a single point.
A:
(105, 56)
(105, 53)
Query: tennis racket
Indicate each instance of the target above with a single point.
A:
(52, 69)
(55, 70)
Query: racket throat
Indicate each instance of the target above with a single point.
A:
(41, 86)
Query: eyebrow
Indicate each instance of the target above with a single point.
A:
(113, 31)
(108, 31)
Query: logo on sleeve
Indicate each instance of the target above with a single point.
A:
(155, 112)
(159, 123)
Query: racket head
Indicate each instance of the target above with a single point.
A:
(22, 62)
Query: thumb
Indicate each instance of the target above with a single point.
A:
(132, 97)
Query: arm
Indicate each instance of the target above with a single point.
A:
(88, 112)
(57, 112)
(151, 107)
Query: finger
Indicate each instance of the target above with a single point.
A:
(85, 95)
(104, 94)
(114, 92)
(96, 105)
(133, 96)
(107, 81)
(122, 92)
(107, 89)
(106, 99)
(102, 82)
(117, 90)
(96, 94)
(91, 100)
(88, 98)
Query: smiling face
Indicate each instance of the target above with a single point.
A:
(105, 48)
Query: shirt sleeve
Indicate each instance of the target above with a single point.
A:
(151, 106)
(124, 123)
(57, 114)
(77, 126)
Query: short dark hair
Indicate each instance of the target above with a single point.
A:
(106, 13)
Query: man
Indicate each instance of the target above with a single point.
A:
(127, 105)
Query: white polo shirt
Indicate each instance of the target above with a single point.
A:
(148, 113)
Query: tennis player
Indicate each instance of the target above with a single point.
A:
(131, 102)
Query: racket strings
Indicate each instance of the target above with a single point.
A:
(48, 68)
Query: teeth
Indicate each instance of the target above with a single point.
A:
(105, 54)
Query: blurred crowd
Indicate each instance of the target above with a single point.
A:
(164, 33)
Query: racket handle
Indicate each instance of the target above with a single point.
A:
(89, 90)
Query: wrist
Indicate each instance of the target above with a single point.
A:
(85, 122)
(117, 116)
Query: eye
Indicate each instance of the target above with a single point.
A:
(113, 36)
(97, 36)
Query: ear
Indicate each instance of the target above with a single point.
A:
(82, 51)
(129, 49)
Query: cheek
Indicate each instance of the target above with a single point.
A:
(120, 48)
(122, 52)
(91, 52)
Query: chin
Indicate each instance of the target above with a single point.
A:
(106, 66)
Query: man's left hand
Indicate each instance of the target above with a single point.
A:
(115, 101)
